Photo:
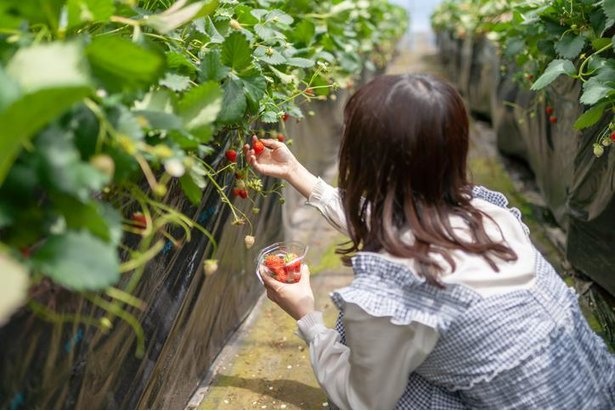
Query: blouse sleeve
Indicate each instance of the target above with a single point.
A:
(327, 200)
(373, 370)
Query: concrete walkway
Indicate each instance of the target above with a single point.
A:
(266, 366)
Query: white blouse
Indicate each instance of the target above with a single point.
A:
(358, 376)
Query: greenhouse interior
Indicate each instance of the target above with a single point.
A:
(292, 204)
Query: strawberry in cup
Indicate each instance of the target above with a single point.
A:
(282, 261)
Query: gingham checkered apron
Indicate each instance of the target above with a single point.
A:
(526, 349)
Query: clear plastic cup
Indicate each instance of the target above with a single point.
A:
(281, 261)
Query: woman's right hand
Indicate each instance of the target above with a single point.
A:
(275, 161)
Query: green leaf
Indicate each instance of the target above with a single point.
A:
(157, 100)
(14, 284)
(49, 66)
(570, 45)
(128, 124)
(255, 86)
(269, 117)
(180, 13)
(180, 63)
(175, 82)
(200, 106)
(514, 46)
(46, 94)
(209, 28)
(244, 15)
(202, 134)
(300, 62)
(553, 71)
(7, 212)
(191, 189)
(234, 103)
(595, 90)
(211, 67)
(609, 8)
(62, 168)
(157, 108)
(90, 215)
(267, 33)
(89, 11)
(13, 13)
(285, 78)
(121, 64)
(113, 218)
(269, 55)
(9, 90)
(259, 13)
(278, 16)
(158, 120)
(303, 32)
(78, 261)
(590, 117)
(600, 42)
(236, 52)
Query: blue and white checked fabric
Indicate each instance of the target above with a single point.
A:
(524, 349)
(499, 199)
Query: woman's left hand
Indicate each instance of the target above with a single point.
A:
(296, 299)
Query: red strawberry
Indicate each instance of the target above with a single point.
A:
(294, 267)
(231, 155)
(273, 261)
(139, 220)
(292, 262)
(240, 192)
(285, 116)
(280, 275)
(553, 119)
(258, 147)
(281, 137)
(294, 276)
(549, 110)
(613, 136)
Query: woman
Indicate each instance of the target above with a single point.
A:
(451, 305)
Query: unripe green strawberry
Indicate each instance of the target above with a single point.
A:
(210, 267)
(234, 24)
(103, 163)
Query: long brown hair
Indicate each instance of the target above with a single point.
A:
(403, 165)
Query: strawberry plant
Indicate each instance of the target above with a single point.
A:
(547, 39)
(108, 105)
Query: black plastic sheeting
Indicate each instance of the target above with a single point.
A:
(187, 320)
(316, 140)
(577, 187)
(483, 77)
(507, 128)
(591, 206)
